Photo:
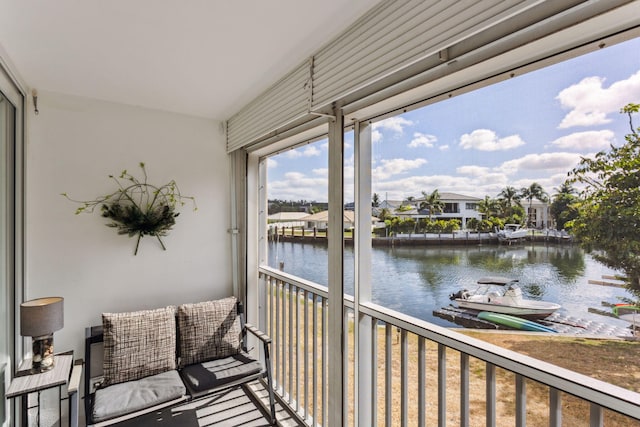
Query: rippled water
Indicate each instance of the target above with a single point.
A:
(417, 280)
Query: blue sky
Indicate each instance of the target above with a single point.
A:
(532, 128)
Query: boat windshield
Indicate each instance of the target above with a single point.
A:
(500, 281)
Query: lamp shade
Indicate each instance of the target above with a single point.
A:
(41, 316)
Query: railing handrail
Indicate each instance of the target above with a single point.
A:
(601, 393)
(307, 285)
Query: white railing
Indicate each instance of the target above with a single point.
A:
(414, 379)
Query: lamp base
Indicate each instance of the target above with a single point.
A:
(42, 348)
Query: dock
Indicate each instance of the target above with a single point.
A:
(561, 323)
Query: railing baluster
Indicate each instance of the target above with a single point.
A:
(464, 390)
(276, 337)
(387, 376)
(374, 371)
(404, 379)
(555, 408)
(345, 361)
(314, 315)
(491, 395)
(442, 385)
(297, 407)
(283, 347)
(290, 343)
(306, 355)
(521, 401)
(596, 418)
(422, 401)
(325, 358)
(270, 292)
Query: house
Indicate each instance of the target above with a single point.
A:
(203, 93)
(287, 219)
(539, 214)
(320, 220)
(455, 206)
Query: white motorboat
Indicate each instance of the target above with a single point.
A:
(512, 232)
(502, 295)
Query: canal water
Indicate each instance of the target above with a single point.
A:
(417, 280)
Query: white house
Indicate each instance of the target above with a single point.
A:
(456, 206)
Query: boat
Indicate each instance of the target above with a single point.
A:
(502, 295)
(514, 322)
(511, 232)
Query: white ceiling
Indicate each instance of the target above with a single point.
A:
(205, 58)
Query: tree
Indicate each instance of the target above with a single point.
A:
(509, 197)
(432, 202)
(375, 200)
(488, 207)
(534, 191)
(385, 214)
(563, 209)
(608, 222)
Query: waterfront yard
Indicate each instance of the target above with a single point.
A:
(611, 360)
(614, 361)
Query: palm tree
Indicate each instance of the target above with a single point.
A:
(534, 191)
(432, 202)
(509, 196)
(564, 189)
(488, 207)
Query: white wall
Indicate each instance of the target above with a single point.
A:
(73, 145)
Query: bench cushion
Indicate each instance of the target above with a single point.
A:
(208, 330)
(205, 376)
(138, 344)
(120, 399)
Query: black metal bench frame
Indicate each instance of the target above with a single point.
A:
(94, 335)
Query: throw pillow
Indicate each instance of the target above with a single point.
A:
(138, 344)
(208, 330)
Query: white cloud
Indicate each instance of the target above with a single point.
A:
(443, 147)
(487, 140)
(298, 186)
(306, 151)
(401, 188)
(271, 163)
(395, 124)
(548, 162)
(590, 102)
(376, 136)
(322, 172)
(391, 167)
(422, 140)
(590, 140)
(472, 170)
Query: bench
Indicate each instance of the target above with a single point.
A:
(152, 359)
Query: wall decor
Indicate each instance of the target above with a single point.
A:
(138, 208)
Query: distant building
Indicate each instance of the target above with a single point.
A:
(286, 219)
(456, 206)
(320, 220)
(286, 216)
(539, 215)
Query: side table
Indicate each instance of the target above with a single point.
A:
(64, 372)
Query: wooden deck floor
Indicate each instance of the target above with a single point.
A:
(229, 408)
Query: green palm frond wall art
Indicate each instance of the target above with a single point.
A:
(138, 208)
